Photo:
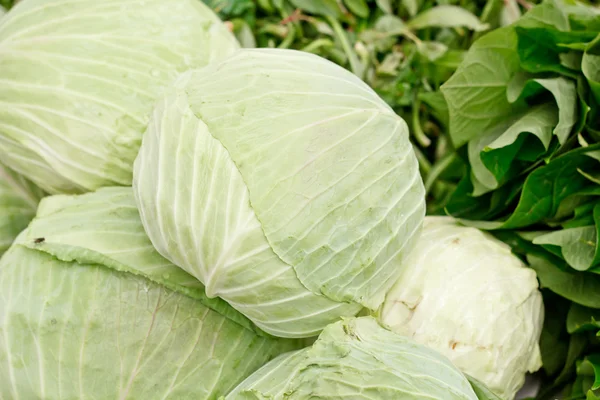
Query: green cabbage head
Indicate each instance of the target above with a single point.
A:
(283, 183)
(463, 293)
(18, 201)
(90, 310)
(79, 79)
(357, 359)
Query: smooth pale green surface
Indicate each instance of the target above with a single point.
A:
(357, 359)
(463, 293)
(284, 184)
(18, 201)
(79, 79)
(94, 313)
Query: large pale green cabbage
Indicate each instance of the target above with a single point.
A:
(462, 292)
(284, 184)
(18, 202)
(79, 79)
(89, 310)
(357, 359)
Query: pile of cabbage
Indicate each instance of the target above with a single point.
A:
(182, 218)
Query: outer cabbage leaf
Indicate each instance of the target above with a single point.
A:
(463, 293)
(357, 358)
(92, 311)
(79, 79)
(310, 171)
(18, 201)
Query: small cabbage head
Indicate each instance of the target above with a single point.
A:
(283, 183)
(463, 293)
(18, 202)
(90, 310)
(357, 359)
(80, 78)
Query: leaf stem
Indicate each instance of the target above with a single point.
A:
(417, 131)
(424, 164)
(438, 168)
(355, 64)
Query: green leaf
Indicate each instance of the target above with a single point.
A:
(327, 8)
(571, 60)
(563, 90)
(432, 51)
(553, 346)
(462, 204)
(492, 156)
(565, 95)
(591, 363)
(385, 6)
(435, 101)
(577, 345)
(579, 246)
(580, 287)
(411, 6)
(358, 7)
(447, 16)
(590, 66)
(230, 8)
(545, 188)
(580, 319)
(476, 93)
(544, 30)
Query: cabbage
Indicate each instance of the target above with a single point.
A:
(463, 293)
(357, 359)
(90, 310)
(18, 201)
(79, 79)
(284, 184)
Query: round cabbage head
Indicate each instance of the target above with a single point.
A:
(283, 183)
(18, 201)
(79, 79)
(90, 310)
(357, 359)
(463, 293)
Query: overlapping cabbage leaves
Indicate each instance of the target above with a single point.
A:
(284, 184)
(79, 79)
(89, 310)
(357, 358)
